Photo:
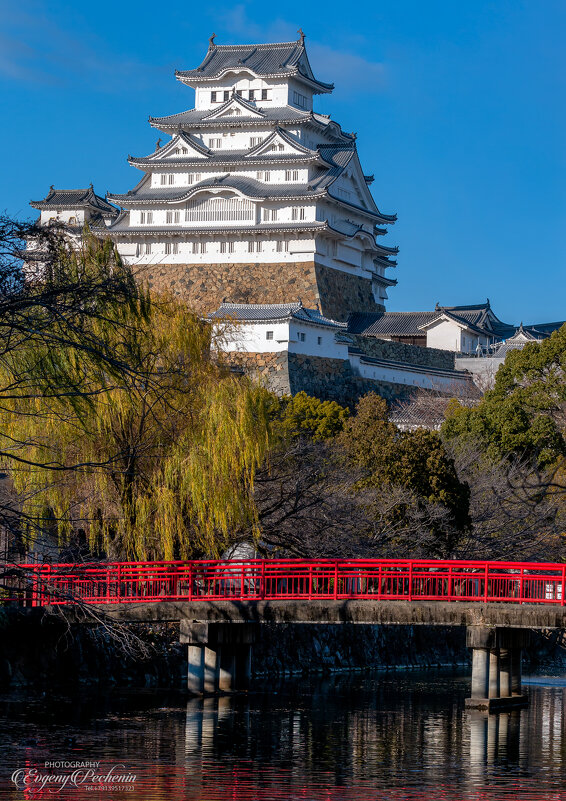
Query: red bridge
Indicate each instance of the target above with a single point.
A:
(286, 579)
(498, 602)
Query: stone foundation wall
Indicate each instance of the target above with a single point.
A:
(328, 379)
(205, 286)
(342, 293)
(401, 352)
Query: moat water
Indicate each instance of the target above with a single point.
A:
(386, 737)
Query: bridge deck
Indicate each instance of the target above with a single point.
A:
(429, 613)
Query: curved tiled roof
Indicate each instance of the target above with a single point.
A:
(73, 199)
(277, 59)
(246, 186)
(270, 312)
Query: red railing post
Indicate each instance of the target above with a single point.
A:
(450, 585)
(262, 581)
(411, 580)
(335, 581)
(522, 586)
(119, 580)
(190, 582)
(310, 582)
(485, 593)
(379, 579)
(564, 586)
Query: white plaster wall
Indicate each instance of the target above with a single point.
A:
(414, 377)
(277, 90)
(252, 337)
(62, 216)
(318, 341)
(445, 336)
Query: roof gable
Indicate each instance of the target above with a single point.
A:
(235, 106)
(281, 141)
(277, 59)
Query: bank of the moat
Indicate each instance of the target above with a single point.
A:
(40, 650)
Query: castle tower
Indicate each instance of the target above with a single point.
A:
(255, 197)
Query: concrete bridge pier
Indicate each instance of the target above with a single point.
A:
(218, 656)
(496, 666)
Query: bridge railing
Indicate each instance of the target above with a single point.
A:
(287, 579)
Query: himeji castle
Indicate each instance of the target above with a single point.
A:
(254, 208)
(254, 196)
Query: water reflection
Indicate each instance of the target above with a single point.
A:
(338, 739)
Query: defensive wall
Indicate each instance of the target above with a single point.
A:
(204, 286)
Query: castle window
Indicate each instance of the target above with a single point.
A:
(150, 217)
(177, 217)
(250, 246)
(169, 217)
(252, 94)
(226, 96)
(142, 217)
(319, 340)
(297, 213)
(255, 140)
(195, 247)
(213, 97)
(291, 175)
(203, 247)
(269, 214)
(301, 336)
(184, 151)
(258, 246)
(269, 334)
(163, 179)
(171, 178)
(215, 143)
(239, 92)
(223, 247)
(168, 247)
(175, 247)
(282, 246)
(264, 94)
(231, 247)
(281, 146)
(219, 209)
(147, 248)
(299, 100)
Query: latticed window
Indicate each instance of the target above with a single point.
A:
(291, 175)
(168, 247)
(297, 213)
(219, 209)
(147, 248)
(171, 178)
(163, 179)
(282, 246)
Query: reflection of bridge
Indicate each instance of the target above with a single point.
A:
(497, 601)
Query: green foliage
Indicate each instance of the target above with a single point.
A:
(142, 441)
(320, 420)
(523, 415)
(415, 460)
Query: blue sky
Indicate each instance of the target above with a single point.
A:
(459, 108)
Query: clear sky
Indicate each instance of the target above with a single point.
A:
(459, 107)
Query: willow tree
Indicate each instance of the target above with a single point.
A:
(151, 450)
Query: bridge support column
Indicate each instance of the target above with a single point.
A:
(496, 667)
(218, 656)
